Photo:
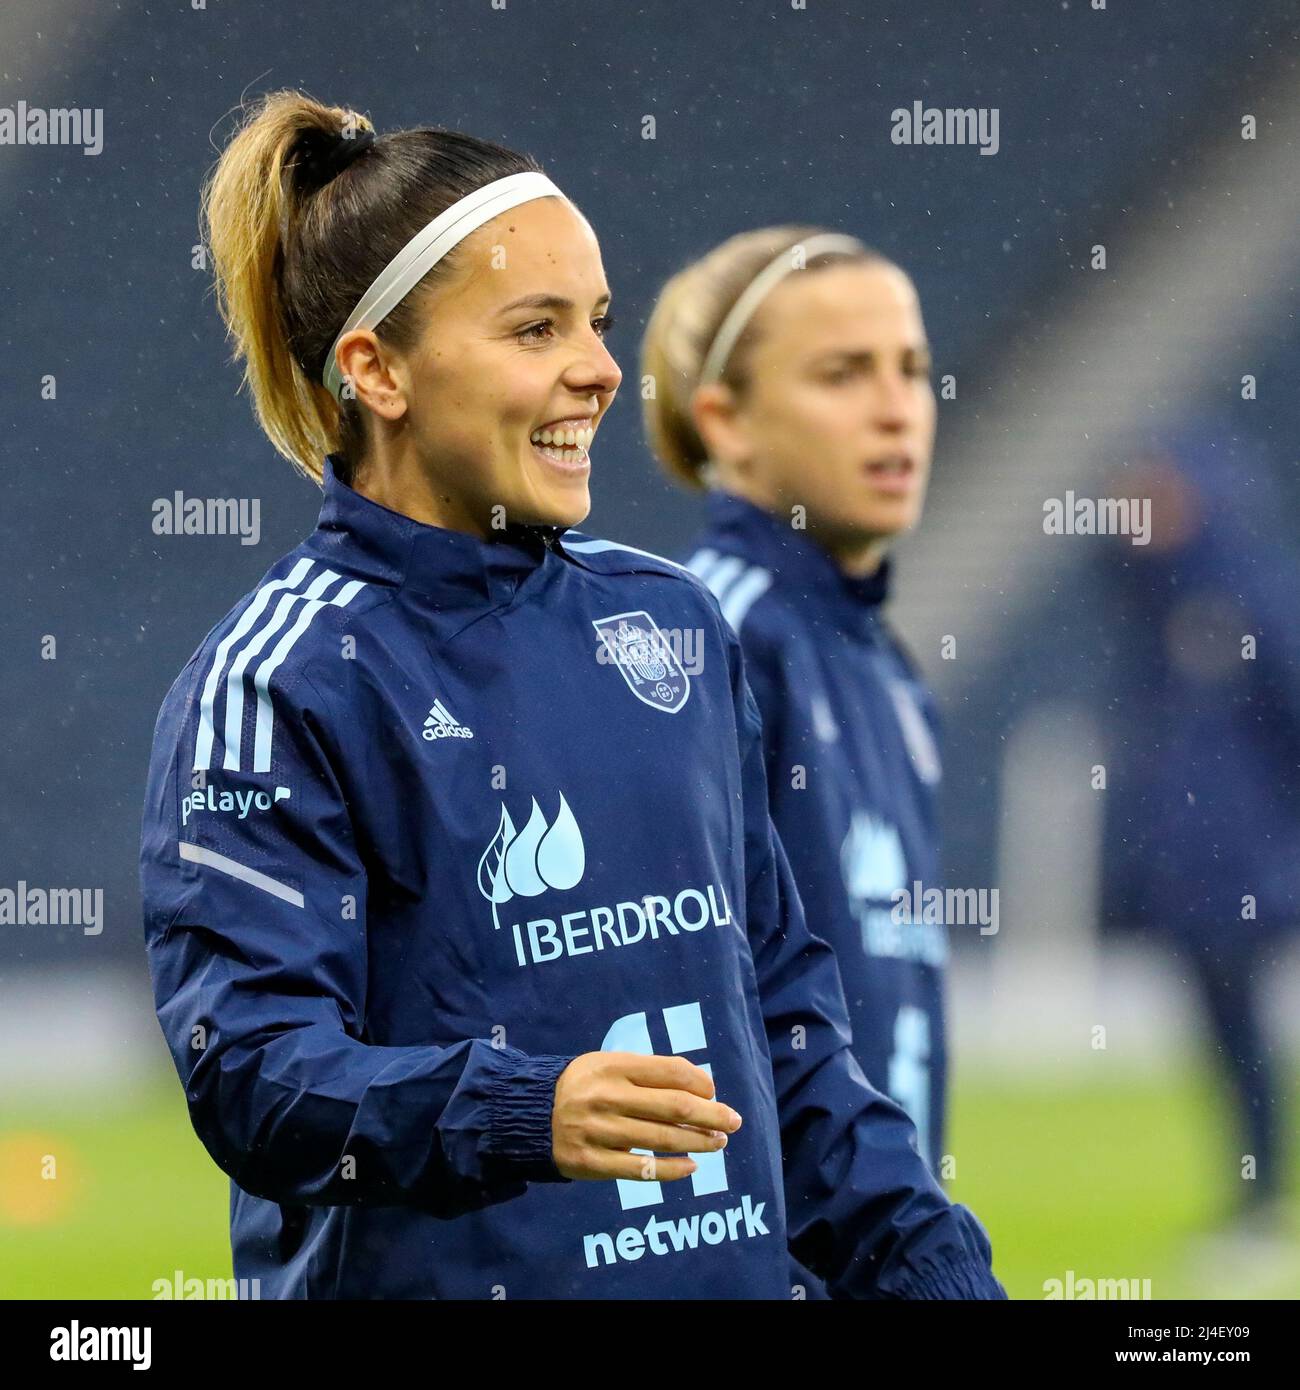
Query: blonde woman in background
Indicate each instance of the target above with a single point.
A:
(791, 385)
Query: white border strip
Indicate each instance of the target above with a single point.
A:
(744, 593)
(196, 854)
(262, 677)
(595, 547)
(427, 247)
(250, 615)
(234, 734)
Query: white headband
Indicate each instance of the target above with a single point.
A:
(427, 247)
(758, 289)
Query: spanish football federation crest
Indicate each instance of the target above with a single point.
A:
(644, 658)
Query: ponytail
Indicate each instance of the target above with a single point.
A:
(303, 210)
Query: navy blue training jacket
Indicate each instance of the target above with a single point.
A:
(850, 735)
(429, 816)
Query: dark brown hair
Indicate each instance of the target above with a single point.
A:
(299, 226)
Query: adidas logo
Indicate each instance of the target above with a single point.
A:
(440, 724)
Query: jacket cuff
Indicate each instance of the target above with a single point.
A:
(518, 1143)
(963, 1279)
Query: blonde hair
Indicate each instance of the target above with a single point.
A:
(685, 320)
(299, 226)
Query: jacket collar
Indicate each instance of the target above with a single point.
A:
(447, 565)
(795, 559)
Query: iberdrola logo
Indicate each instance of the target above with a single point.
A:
(527, 862)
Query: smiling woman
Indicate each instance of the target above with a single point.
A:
(386, 945)
(358, 263)
(465, 435)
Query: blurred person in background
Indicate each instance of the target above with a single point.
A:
(791, 380)
(1203, 811)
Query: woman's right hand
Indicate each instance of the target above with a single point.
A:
(607, 1103)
